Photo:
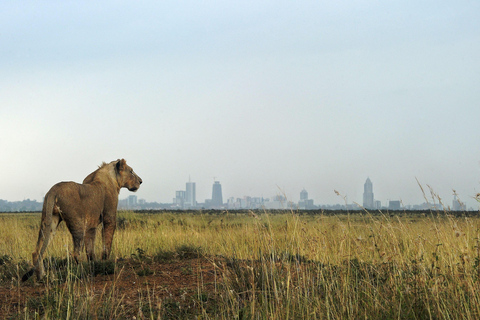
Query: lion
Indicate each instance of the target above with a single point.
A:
(84, 207)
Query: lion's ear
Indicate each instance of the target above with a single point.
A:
(121, 165)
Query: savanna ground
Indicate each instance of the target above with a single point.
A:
(252, 266)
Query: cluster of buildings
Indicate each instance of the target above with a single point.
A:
(370, 203)
(186, 200)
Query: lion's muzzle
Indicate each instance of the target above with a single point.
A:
(137, 184)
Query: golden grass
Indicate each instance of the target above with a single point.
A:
(311, 267)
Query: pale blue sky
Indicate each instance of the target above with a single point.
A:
(267, 96)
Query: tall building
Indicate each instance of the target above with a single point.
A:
(303, 195)
(190, 194)
(304, 202)
(132, 201)
(368, 202)
(179, 200)
(217, 199)
(457, 205)
(394, 205)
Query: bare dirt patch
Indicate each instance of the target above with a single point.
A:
(138, 287)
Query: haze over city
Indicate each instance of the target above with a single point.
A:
(266, 97)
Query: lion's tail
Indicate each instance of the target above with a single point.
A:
(44, 234)
(46, 227)
(48, 206)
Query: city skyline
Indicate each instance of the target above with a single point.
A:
(180, 202)
(187, 199)
(281, 200)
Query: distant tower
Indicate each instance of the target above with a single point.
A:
(132, 201)
(179, 198)
(368, 195)
(217, 199)
(190, 194)
(457, 205)
(304, 202)
(303, 195)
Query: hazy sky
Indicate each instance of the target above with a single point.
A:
(269, 97)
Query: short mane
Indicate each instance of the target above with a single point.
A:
(102, 165)
(92, 176)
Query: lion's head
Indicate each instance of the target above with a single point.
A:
(126, 176)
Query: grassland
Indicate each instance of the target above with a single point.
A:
(252, 266)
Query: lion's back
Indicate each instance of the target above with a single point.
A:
(69, 194)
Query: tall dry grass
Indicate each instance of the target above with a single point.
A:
(288, 266)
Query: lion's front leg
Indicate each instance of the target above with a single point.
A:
(109, 226)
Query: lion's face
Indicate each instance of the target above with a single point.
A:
(128, 177)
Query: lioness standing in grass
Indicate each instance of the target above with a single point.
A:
(83, 207)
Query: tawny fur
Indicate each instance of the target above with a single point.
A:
(84, 207)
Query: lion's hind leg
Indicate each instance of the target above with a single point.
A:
(78, 237)
(90, 243)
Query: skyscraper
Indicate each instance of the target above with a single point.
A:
(304, 202)
(217, 199)
(457, 205)
(368, 195)
(132, 201)
(303, 195)
(179, 199)
(190, 194)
